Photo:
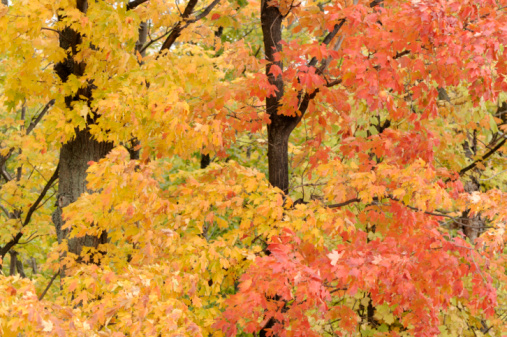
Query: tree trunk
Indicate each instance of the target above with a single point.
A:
(19, 267)
(205, 160)
(75, 154)
(143, 35)
(13, 265)
(278, 156)
(33, 264)
(74, 158)
(280, 126)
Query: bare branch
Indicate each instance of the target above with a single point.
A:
(36, 121)
(49, 285)
(32, 209)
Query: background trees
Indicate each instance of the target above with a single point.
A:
(231, 167)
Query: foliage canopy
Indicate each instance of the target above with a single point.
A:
(253, 168)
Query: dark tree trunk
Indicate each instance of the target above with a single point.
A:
(75, 154)
(205, 160)
(278, 157)
(19, 267)
(13, 265)
(74, 158)
(281, 126)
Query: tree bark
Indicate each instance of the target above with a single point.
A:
(13, 265)
(75, 154)
(278, 157)
(74, 158)
(19, 267)
(280, 126)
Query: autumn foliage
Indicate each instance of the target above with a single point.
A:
(253, 168)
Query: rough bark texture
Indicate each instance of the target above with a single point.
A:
(75, 154)
(74, 158)
(281, 126)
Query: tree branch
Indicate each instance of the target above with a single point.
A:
(133, 4)
(5, 249)
(483, 158)
(153, 41)
(345, 203)
(5, 210)
(375, 3)
(333, 82)
(5, 174)
(329, 37)
(400, 54)
(205, 12)
(49, 285)
(176, 32)
(305, 101)
(50, 182)
(354, 200)
(34, 123)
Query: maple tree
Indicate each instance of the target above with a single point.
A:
(253, 168)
